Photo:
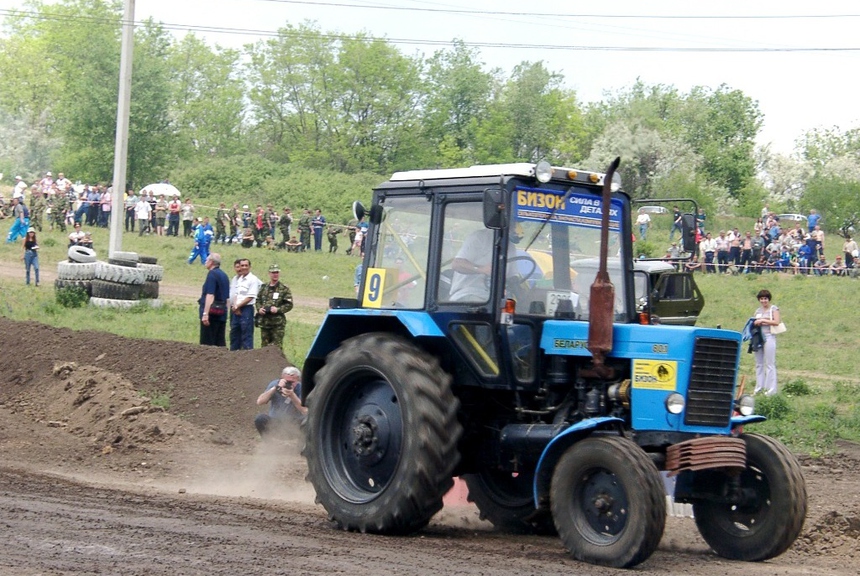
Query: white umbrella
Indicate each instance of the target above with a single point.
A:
(161, 189)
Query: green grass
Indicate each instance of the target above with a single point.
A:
(816, 358)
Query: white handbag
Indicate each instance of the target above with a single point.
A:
(779, 328)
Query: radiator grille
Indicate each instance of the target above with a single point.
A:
(712, 379)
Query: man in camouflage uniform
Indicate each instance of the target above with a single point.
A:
(233, 216)
(351, 228)
(57, 204)
(284, 224)
(274, 300)
(305, 230)
(37, 209)
(221, 218)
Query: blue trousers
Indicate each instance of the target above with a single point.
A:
(201, 250)
(242, 329)
(18, 229)
(31, 258)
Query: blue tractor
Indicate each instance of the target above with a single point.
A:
(485, 343)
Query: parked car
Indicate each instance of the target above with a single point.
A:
(792, 217)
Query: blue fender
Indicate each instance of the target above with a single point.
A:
(741, 420)
(556, 447)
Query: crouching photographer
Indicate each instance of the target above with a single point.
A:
(285, 403)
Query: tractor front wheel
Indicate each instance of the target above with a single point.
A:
(608, 502)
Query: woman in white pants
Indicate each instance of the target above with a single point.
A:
(766, 315)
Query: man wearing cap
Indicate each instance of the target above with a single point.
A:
(243, 293)
(213, 304)
(202, 238)
(20, 188)
(46, 184)
(274, 300)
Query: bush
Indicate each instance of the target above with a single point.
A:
(49, 242)
(774, 407)
(797, 388)
(72, 297)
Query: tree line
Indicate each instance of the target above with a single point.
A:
(355, 105)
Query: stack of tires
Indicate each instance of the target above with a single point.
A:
(78, 271)
(122, 282)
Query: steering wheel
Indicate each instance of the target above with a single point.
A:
(518, 283)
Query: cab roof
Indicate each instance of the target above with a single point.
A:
(523, 169)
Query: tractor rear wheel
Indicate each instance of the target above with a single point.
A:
(771, 508)
(381, 435)
(507, 501)
(608, 502)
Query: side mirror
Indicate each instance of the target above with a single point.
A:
(495, 209)
(358, 210)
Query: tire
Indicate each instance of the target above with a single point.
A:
(119, 274)
(149, 290)
(127, 256)
(381, 435)
(768, 523)
(152, 272)
(507, 501)
(115, 290)
(608, 502)
(87, 285)
(147, 259)
(125, 263)
(75, 271)
(110, 303)
(81, 254)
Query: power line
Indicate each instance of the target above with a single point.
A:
(563, 15)
(430, 42)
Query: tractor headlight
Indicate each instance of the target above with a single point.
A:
(675, 403)
(746, 405)
(543, 172)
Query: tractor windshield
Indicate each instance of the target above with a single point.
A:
(557, 238)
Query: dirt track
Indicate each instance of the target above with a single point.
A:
(88, 486)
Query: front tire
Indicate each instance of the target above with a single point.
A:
(608, 502)
(770, 515)
(381, 435)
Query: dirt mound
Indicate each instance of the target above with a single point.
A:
(99, 406)
(207, 386)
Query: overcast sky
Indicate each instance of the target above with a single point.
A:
(756, 51)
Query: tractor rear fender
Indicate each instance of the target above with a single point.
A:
(558, 446)
(341, 325)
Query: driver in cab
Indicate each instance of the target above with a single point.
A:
(473, 265)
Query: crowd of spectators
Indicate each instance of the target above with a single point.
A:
(59, 203)
(773, 245)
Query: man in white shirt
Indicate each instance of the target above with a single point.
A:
(142, 211)
(243, 294)
(643, 220)
(708, 246)
(20, 189)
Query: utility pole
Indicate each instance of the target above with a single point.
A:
(120, 157)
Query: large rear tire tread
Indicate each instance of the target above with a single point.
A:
(770, 527)
(421, 472)
(627, 471)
